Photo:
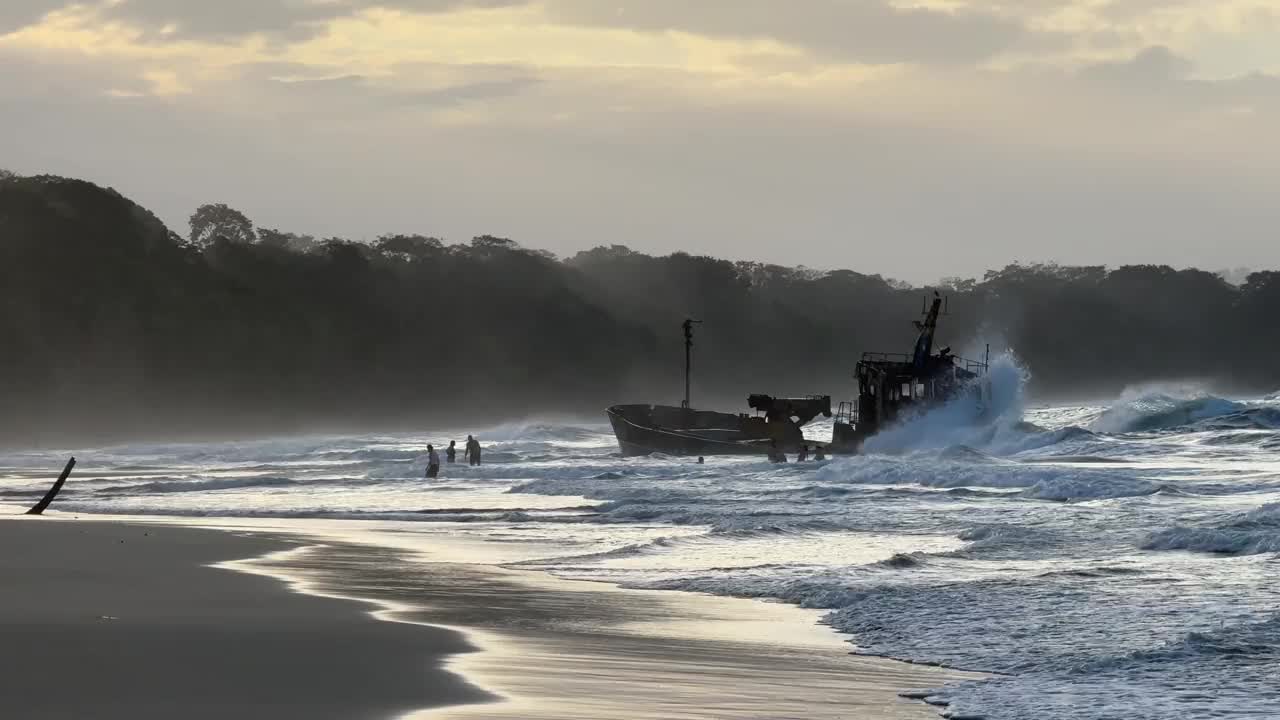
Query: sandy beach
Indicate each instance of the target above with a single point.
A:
(110, 620)
(143, 620)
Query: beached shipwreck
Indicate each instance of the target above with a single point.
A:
(891, 388)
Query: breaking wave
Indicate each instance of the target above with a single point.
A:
(1138, 412)
(968, 420)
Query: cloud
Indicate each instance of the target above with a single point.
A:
(231, 20)
(398, 90)
(224, 20)
(1152, 66)
(869, 31)
(1156, 76)
(646, 159)
(63, 78)
(470, 92)
(17, 14)
(851, 129)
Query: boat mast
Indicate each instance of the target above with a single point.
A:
(688, 356)
(924, 344)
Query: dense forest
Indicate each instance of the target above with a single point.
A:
(116, 325)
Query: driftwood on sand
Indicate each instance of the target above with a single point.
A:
(53, 491)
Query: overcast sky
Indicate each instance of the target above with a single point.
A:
(917, 139)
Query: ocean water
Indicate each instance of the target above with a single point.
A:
(1115, 561)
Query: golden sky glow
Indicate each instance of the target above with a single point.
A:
(868, 92)
(374, 40)
(1222, 38)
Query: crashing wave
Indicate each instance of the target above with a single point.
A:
(967, 420)
(1151, 411)
(1251, 418)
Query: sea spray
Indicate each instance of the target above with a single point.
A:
(972, 419)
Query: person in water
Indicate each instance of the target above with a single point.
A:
(804, 454)
(776, 455)
(818, 453)
(701, 460)
(473, 450)
(433, 462)
(451, 452)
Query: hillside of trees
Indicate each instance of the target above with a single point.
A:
(116, 325)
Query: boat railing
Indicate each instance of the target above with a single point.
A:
(847, 413)
(886, 357)
(977, 367)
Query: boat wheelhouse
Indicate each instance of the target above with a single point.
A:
(894, 386)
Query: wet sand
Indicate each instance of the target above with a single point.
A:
(108, 620)
(124, 620)
(557, 649)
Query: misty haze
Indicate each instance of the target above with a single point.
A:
(120, 327)
(639, 360)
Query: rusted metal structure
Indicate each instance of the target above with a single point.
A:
(892, 387)
(648, 429)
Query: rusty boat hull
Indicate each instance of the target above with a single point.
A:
(648, 429)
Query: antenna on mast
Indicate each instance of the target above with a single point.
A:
(688, 356)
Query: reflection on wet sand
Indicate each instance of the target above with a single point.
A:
(563, 649)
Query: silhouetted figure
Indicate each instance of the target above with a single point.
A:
(804, 454)
(776, 455)
(701, 460)
(819, 453)
(451, 452)
(473, 450)
(433, 462)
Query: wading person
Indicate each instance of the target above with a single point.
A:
(804, 454)
(451, 452)
(473, 450)
(819, 453)
(433, 462)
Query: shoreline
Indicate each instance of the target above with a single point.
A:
(135, 621)
(554, 627)
(537, 646)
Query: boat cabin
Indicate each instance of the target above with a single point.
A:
(893, 386)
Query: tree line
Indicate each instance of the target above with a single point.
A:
(116, 325)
